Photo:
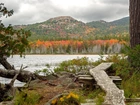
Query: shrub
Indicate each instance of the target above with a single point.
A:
(74, 65)
(133, 56)
(45, 72)
(131, 85)
(26, 97)
(70, 99)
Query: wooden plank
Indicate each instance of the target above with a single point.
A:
(103, 66)
(117, 77)
(114, 96)
(132, 99)
(85, 78)
(89, 77)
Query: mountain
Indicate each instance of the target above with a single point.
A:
(59, 27)
(115, 27)
(66, 27)
(121, 22)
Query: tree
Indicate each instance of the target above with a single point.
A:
(134, 50)
(11, 41)
(134, 11)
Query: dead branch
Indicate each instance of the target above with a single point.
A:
(23, 76)
(8, 90)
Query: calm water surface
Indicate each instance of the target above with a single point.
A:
(38, 62)
(35, 62)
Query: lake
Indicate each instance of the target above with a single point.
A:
(38, 62)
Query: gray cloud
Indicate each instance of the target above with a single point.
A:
(103, 11)
(15, 5)
(121, 2)
(34, 11)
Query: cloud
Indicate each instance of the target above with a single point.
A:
(15, 5)
(103, 11)
(121, 2)
(34, 11)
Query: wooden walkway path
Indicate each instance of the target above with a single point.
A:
(114, 96)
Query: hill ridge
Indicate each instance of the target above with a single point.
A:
(68, 27)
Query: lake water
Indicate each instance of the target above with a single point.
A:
(38, 62)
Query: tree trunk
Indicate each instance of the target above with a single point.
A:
(5, 64)
(134, 11)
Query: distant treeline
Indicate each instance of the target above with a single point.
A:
(76, 46)
(119, 36)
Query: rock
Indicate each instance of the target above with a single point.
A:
(72, 85)
(7, 103)
(65, 81)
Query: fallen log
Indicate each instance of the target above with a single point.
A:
(7, 91)
(10, 71)
(23, 76)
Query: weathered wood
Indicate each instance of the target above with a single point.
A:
(115, 79)
(24, 76)
(8, 90)
(85, 78)
(114, 96)
(132, 99)
(89, 77)
(15, 77)
(104, 66)
(5, 63)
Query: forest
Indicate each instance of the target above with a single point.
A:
(77, 47)
(66, 35)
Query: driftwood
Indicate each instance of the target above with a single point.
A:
(10, 71)
(23, 76)
(114, 96)
(8, 91)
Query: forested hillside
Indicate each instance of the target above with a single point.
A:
(62, 35)
(66, 27)
(117, 27)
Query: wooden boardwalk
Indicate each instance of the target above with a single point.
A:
(114, 96)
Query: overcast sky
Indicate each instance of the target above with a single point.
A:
(34, 11)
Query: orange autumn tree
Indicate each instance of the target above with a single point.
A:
(74, 46)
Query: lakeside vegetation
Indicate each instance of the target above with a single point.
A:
(121, 67)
